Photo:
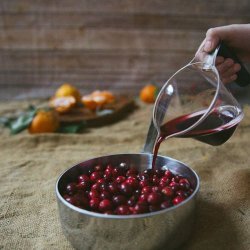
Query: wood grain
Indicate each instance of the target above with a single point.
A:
(118, 45)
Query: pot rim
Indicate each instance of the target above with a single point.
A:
(144, 215)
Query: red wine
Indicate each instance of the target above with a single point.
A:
(215, 130)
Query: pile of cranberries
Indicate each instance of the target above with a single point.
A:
(124, 191)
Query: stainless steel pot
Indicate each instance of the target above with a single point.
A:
(165, 229)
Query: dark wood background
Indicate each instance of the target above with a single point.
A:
(111, 44)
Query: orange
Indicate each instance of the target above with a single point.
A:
(44, 122)
(108, 96)
(149, 93)
(97, 99)
(88, 102)
(68, 90)
(63, 104)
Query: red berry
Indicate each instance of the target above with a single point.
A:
(113, 188)
(105, 205)
(84, 184)
(133, 182)
(165, 204)
(126, 189)
(83, 177)
(175, 186)
(96, 176)
(120, 179)
(94, 203)
(154, 198)
(96, 186)
(177, 200)
(131, 172)
(154, 208)
(72, 200)
(140, 209)
(94, 194)
(144, 183)
(105, 195)
(167, 191)
(169, 174)
(132, 201)
(123, 210)
(146, 190)
(71, 188)
(119, 200)
(164, 181)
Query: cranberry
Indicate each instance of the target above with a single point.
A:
(156, 189)
(167, 191)
(169, 174)
(176, 178)
(94, 194)
(123, 191)
(94, 203)
(146, 190)
(105, 195)
(143, 197)
(116, 172)
(120, 179)
(144, 183)
(119, 200)
(113, 188)
(154, 198)
(105, 205)
(182, 193)
(126, 189)
(155, 179)
(184, 184)
(165, 204)
(83, 177)
(84, 202)
(132, 201)
(131, 172)
(123, 210)
(101, 181)
(177, 200)
(71, 188)
(104, 187)
(72, 200)
(83, 185)
(154, 208)
(96, 186)
(108, 177)
(96, 176)
(164, 181)
(140, 209)
(132, 181)
(175, 186)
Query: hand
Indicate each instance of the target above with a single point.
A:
(237, 38)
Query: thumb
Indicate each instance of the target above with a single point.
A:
(211, 41)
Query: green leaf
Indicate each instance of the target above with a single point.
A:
(71, 128)
(22, 122)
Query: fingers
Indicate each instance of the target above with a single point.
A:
(228, 69)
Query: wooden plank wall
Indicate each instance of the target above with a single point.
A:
(119, 45)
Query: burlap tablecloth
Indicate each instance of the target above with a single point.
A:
(30, 165)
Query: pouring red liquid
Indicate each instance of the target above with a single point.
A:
(215, 130)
